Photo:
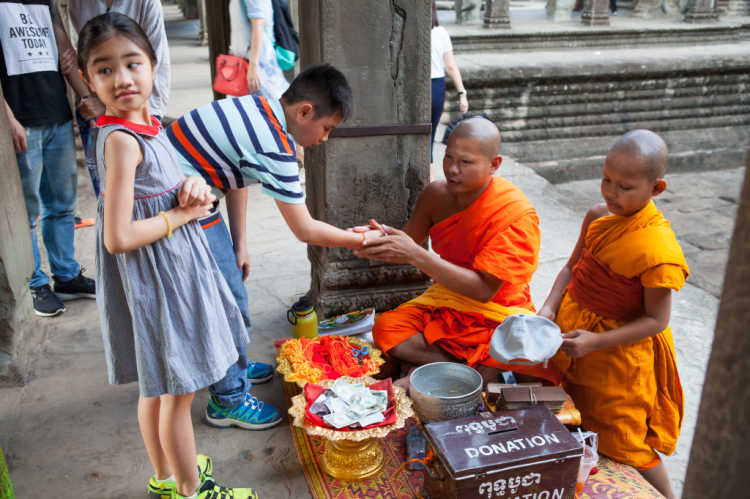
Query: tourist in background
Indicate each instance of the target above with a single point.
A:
(264, 75)
(42, 130)
(443, 62)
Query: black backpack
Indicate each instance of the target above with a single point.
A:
(287, 39)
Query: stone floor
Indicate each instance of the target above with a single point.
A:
(701, 208)
(68, 433)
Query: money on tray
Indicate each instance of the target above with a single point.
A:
(348, 405)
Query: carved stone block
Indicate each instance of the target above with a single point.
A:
(351, 180)
(595, 13)
(496, 14)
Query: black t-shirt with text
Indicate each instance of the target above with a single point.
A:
(33, 85)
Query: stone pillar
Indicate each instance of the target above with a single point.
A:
(219, 30)
(467, 10)
(383, 48)
(19, 328)
(646, 9)
(560, 10)
(722, 7)
(719, 459)
(496, 14)
(701, 12)
(595, 13)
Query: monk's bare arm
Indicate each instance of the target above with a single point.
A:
(552, 303)
(423, 218)
(658, 303)
(400, 247)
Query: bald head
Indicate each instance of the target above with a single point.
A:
(647, 150)
(480, 129)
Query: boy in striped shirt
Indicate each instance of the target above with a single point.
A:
(230, 142)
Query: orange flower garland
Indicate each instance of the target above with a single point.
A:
(325, 357)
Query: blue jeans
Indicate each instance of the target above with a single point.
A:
(50, 184)
(232, 388)
(438, 103)
(88, 139)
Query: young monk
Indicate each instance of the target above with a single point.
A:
(612, 301)
(486, 236)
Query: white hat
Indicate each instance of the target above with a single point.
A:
(525, 339)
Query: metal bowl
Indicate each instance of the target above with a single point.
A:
(444, 391)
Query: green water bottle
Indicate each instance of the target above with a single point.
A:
(303, 319)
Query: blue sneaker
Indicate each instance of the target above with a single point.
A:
(252, 415)
(259, 373)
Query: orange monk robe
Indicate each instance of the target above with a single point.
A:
(499, 234)
(629, 394)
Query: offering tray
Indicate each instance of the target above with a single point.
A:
(352, 456)
(284, 367)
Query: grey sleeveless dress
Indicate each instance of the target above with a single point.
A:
(168, 318)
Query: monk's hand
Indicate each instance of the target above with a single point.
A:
(547, 314)
(579, 343)
(398, 247)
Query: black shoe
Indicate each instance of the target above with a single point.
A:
(78, 287)
(46, 303)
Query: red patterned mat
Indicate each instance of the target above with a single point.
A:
(614, 480)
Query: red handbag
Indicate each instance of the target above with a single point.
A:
(231, 75)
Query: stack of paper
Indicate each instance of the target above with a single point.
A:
(348, 324)
(349, 405)
(553, 397)
(494, 389)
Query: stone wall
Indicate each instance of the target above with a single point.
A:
(384, 50)
(19, 327)
(559, 112)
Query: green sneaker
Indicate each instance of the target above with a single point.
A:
(209, 490)
(163, 489)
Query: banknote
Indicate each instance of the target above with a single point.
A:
(319, 407)
(341, 419)
(350, 394)
(374, 418)
(382, 398)
(336, 404)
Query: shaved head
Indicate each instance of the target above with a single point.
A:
(647, 150)
(480, 129)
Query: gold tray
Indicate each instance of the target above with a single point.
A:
(284, 367)
(352, 456)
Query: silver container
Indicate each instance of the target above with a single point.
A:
(445, 390)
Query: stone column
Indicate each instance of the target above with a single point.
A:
(701, 12)
(719, 459)
(645, 9)
(496, 14)
(467, 10)
(19, 328)
(383, 48)
(219, 30)
(595, 13)
(560, 10)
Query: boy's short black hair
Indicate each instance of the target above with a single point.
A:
(326, 87)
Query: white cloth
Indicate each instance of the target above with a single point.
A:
(440, 43)
(150, 17)
(27, 38)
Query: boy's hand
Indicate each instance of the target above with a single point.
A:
(243, 260)
(398, 247)
(547, 314)
(195, 192)
(578, 343)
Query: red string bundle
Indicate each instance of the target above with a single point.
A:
(325, 357)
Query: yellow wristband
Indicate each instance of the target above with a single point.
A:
(169, 224)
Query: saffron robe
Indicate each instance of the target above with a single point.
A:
(499, 234)
(629, 394)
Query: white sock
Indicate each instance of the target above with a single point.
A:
(170, 479)
(194, 496)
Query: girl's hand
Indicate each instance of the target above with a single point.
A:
(68, 62)
(243, 260)
(463, 104)
(18, 133)
(192, 212)
(579, 343)
(547, 314)
(194, 192)
(253, 77)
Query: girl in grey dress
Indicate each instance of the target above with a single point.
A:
(168, 318)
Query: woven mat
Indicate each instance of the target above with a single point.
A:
(614, 480)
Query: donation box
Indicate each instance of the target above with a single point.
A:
(517, 454)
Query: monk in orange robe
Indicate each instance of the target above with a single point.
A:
(486, 236)
(613, 302)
